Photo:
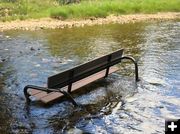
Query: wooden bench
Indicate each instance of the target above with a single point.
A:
(64, 83)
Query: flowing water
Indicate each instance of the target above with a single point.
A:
(113, 105)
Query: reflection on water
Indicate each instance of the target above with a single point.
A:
(113, 105)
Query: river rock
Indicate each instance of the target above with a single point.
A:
(33, 75)
(45, 60)
(75, 131)
(2, 60)
(32, 49)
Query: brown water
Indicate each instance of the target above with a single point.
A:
(113, 105)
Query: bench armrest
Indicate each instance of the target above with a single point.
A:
(135, 64)
(65, 93)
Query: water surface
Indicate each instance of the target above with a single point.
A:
(114, 105)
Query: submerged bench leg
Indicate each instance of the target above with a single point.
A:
(27, 95)
(71, 74)
(135, 64)
(107, 70)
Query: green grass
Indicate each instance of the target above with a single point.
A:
(24, 9)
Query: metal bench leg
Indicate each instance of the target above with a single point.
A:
(27, 95)
(69, 96)
(107, 70)
(135, 64)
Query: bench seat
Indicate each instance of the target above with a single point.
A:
(49, 97)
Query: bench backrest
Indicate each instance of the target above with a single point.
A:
(84, 70)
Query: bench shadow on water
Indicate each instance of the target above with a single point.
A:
(113, 105)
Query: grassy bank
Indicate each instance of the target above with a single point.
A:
(103, 8)
(24, 9)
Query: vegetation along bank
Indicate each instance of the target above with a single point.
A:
(22, 14)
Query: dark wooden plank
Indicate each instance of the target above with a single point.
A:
(92, 78)
(81, 71)
(58, 78)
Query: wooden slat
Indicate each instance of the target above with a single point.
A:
(78, 84)
(48, 97)
(41, 94)
(52, 96)
(92, 78)
(33, 91)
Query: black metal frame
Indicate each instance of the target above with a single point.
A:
(135, 65)
(119, 60)
(72, 80)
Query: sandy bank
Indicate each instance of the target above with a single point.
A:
(45, 23)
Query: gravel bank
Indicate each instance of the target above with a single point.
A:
(46, 23)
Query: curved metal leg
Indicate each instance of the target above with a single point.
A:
(26, 94)
(69, 96)
(135, 64)
(47, 90)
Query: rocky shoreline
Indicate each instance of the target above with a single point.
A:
(49, 23)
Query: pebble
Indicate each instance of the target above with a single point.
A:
(1, 75)
(45, 60)
(41, 27)
(7, 37)
(33, 75)
(37, 65)
(55, 65)
(32, 49)
(160, 107)
(2, 60)
(75, 131)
